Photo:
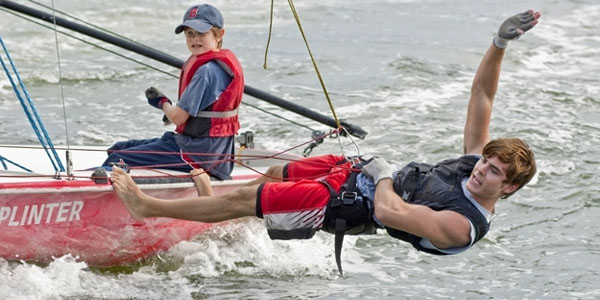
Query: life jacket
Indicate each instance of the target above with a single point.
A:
(220, 119)
(439, 188)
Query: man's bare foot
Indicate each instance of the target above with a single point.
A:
(131, 195)
(202, 182)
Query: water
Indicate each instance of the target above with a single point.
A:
(401, 70)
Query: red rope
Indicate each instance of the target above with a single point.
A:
(226, 158)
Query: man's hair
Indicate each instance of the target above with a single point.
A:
(519, 157)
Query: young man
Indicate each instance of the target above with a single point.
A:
(441, 209)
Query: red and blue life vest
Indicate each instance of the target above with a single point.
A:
(220, 119)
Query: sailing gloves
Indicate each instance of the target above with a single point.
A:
(156, 98)
(377, 168)
(514, 27)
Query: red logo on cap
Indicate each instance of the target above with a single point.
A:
(193, 12)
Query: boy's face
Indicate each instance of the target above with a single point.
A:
(198, 42)
(487, 179)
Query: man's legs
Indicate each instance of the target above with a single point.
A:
(236, 204)
(273, 174)
(307, 168)
(295, 208)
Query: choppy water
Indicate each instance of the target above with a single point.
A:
(400, 69)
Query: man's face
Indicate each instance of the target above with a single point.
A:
(487, 179)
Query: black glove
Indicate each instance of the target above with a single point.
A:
(514, 27)
(156, 98)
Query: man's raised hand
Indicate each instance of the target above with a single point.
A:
(515, 26)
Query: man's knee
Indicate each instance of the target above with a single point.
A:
(243, 200)
(274, 174)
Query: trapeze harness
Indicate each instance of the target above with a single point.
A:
(348, 212)
(221, 118)
(438, 187)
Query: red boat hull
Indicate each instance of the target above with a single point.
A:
(43, 220)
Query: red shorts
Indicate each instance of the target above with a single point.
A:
(295, 208)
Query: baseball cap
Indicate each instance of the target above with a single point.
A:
(201, 18)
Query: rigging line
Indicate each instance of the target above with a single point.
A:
(269, 36)
(278, 116)
(305, 143)
(62, 93)
(141, 63)
(265, 66)
(30, 111)
(144, 64)
(352, 142)
(338, 124)
(92, 44)
(4, 160)
(291, 3)
(85, 22)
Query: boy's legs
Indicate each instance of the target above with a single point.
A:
(161, 152)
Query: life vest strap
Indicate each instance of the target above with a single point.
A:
(412, 181)
(217, 114)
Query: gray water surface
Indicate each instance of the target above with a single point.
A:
(401, 70)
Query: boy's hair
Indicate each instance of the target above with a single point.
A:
(519, 157)
(215, 31)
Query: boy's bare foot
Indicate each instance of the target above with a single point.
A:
(131, 195)
(202, 182)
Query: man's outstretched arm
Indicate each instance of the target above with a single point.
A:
(479, 110)
(485, 83)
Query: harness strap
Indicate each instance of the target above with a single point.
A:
(412, 181)
(348, 196)
(410, 185)
(340, 229)
(340, 224)
(217, 114)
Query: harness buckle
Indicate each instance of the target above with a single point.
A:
(349, 197)
(335, 202)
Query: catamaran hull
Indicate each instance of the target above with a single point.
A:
(50, 219)
(43, 218)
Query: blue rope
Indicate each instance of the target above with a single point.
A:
(29, 109)
(4, 160)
